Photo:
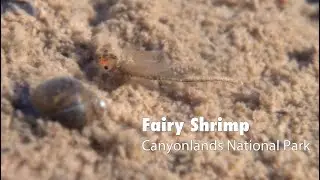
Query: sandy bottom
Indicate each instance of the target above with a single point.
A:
(271, 46)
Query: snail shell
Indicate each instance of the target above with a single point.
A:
(66, 100)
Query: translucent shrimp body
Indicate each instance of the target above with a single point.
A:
(149, 65)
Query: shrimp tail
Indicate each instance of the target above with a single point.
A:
(192, 79)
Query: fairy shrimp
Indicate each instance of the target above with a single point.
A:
(149, 65)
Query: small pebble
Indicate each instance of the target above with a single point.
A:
(67, 101)
(14, 5)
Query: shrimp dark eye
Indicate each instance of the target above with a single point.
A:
(106, 67)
